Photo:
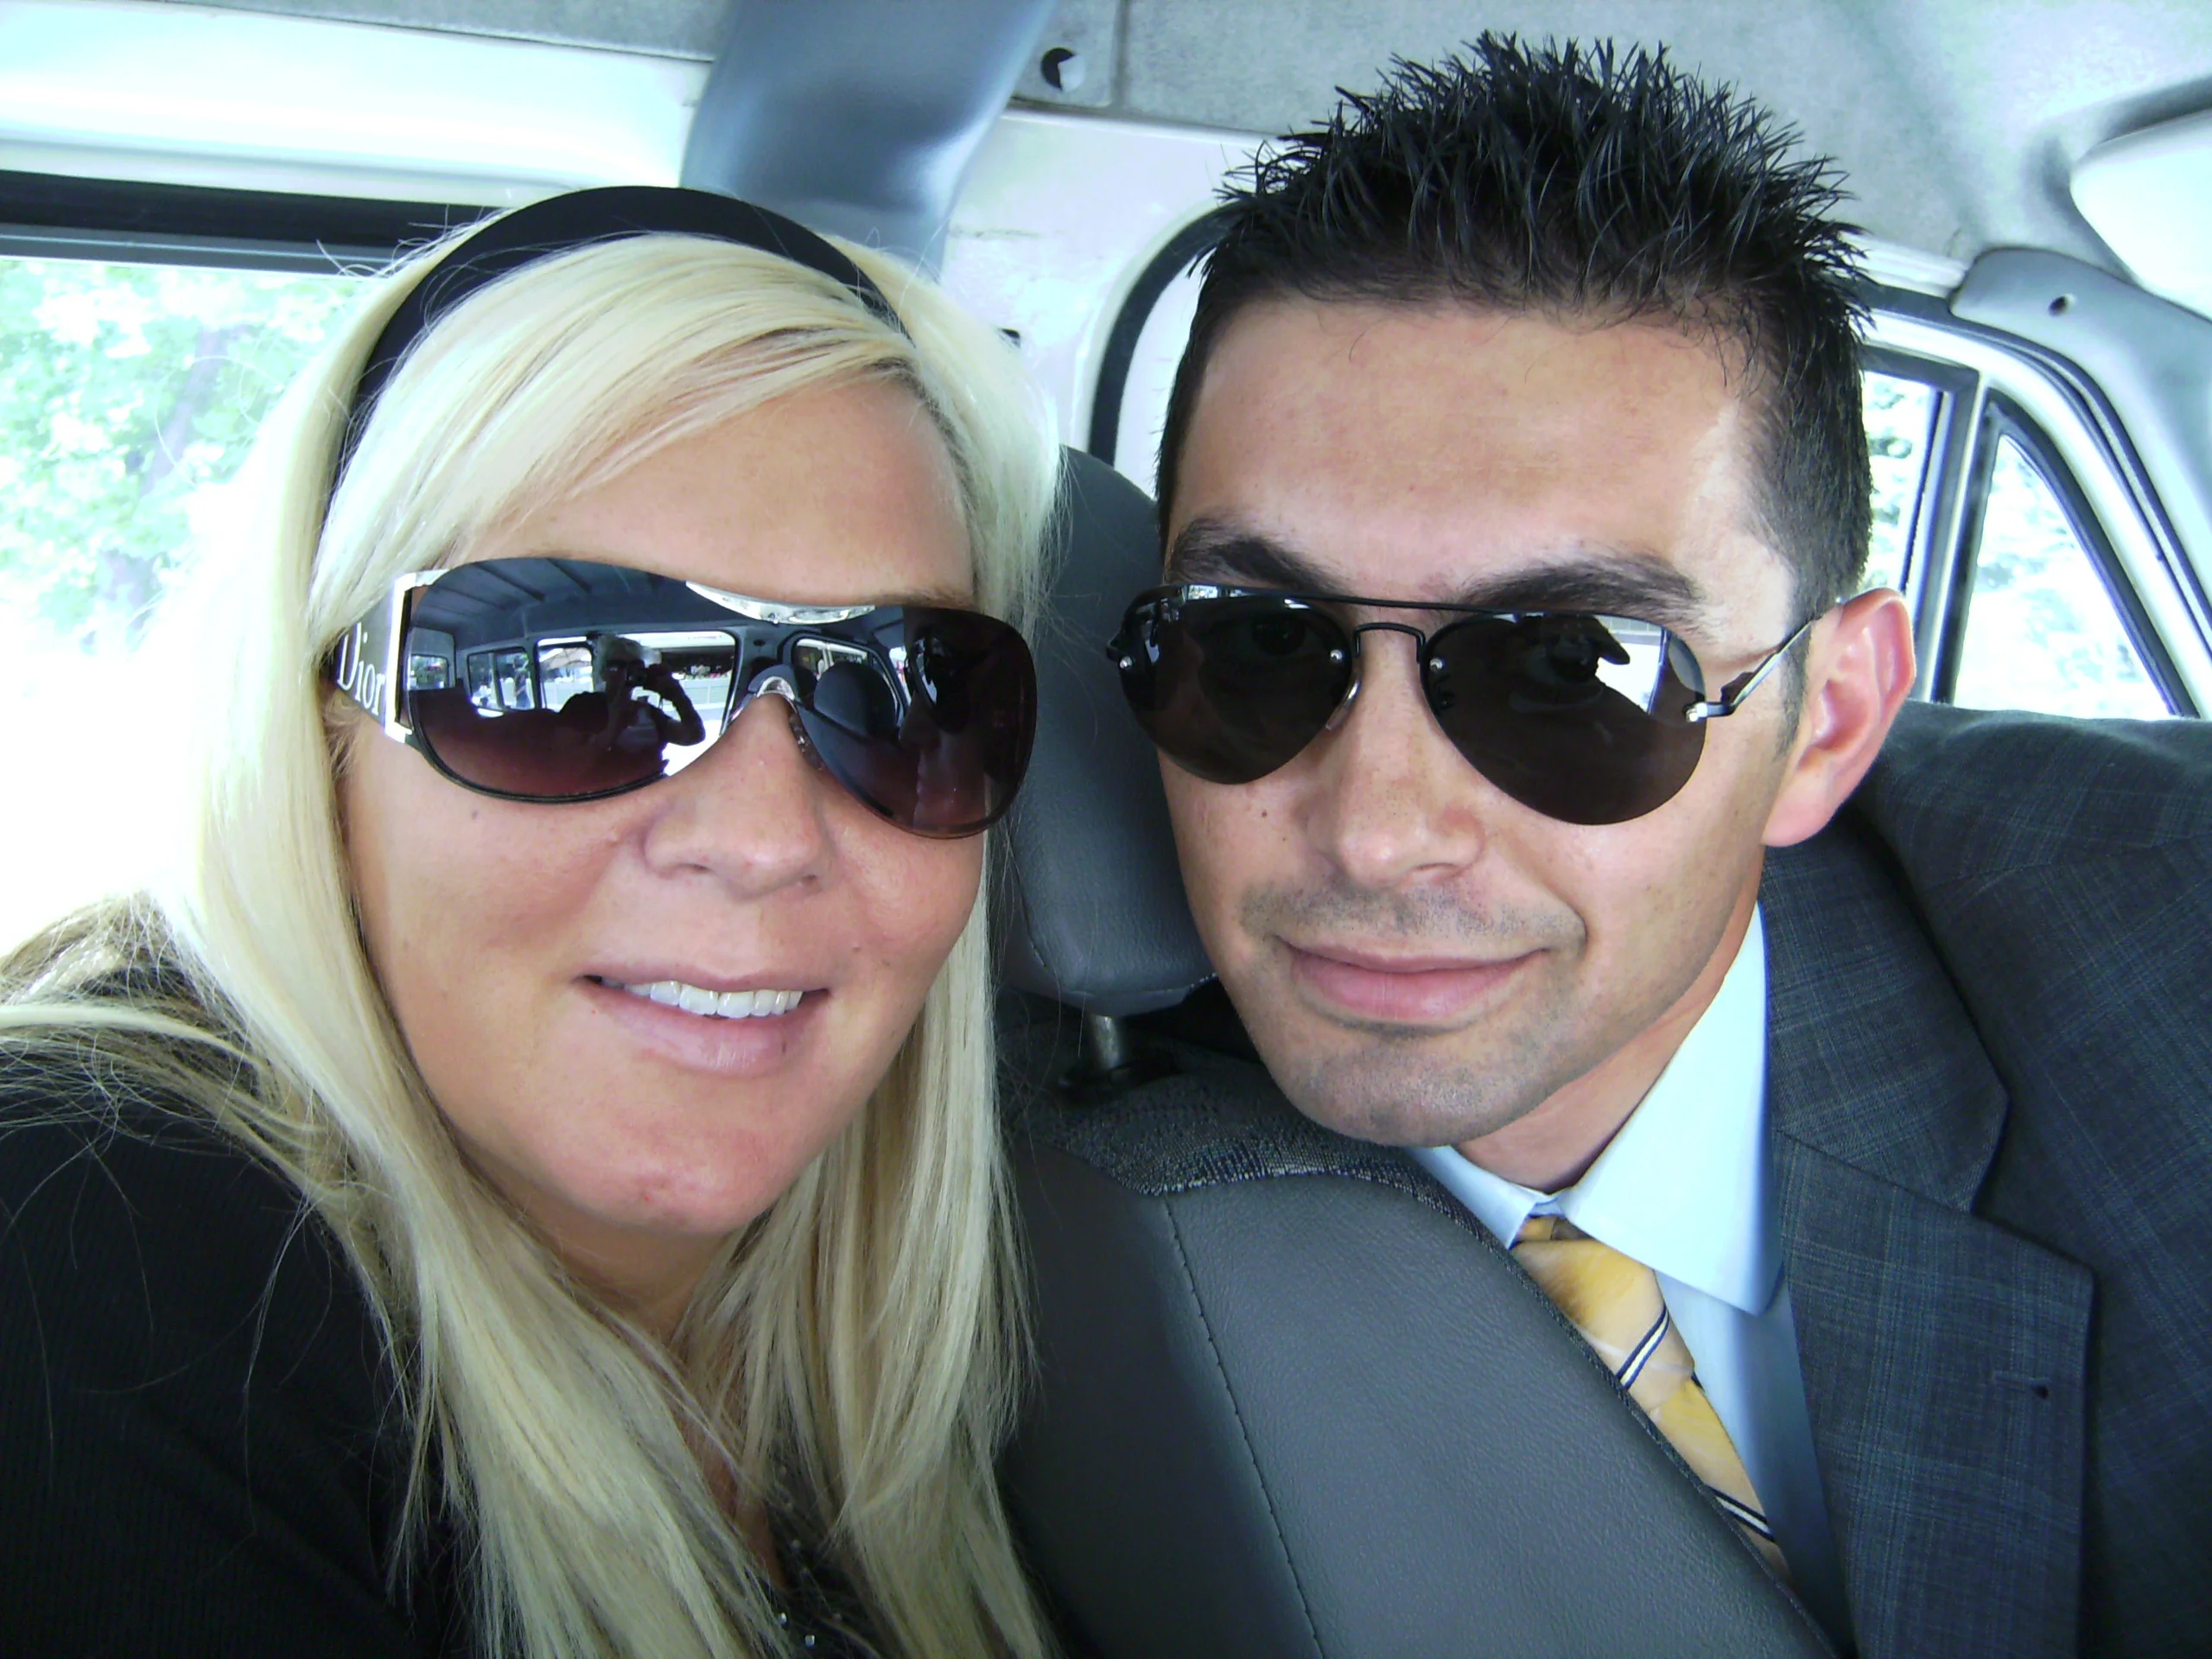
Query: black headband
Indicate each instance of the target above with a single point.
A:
(576, 219)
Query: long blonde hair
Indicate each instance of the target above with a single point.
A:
(853, 1356)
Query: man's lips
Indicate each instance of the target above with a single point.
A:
(1429, 990)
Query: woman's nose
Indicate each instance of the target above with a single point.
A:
(750, 811)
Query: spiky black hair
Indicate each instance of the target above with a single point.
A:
(1581, 181)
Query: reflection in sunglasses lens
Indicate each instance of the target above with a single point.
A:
(859, 700)
(603, 712)
(1575, 716)
(953, 763)
(1233, 689)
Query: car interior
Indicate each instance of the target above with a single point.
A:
(1268, 1419)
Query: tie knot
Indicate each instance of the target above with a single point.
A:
(1545, 1229)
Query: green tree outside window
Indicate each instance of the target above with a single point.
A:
(128, 395)
(125, 391)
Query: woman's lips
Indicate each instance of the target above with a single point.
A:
(706, 1042)
(1399, 990)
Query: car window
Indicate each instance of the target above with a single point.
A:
(2041, 630)
(1900, 421)
(128, 396)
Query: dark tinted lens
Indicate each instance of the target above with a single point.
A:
(860, 700)
(1579, 717)
(1231, 688)
(587, 716)
(951, 765)
(554, 679)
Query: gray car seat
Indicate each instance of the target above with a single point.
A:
(1291, 1400)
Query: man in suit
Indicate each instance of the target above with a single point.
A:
(1871, 1046)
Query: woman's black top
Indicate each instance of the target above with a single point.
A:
(200, 1451)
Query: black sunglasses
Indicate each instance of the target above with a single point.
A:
(542, 679)
(1584, 718)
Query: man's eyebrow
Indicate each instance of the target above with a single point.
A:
(1610, 581)
(1214, 549)
(1606, 580)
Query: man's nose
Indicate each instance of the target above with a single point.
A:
(750, 811)
(1394, 801)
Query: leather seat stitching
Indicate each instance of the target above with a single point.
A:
(1190, 1284)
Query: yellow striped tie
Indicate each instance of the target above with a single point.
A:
(1614, 1301)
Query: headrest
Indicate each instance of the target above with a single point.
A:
(1092, 911)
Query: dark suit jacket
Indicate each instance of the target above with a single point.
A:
(1990, 1087)
(1990, 1083)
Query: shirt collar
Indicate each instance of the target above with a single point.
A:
(1683, 1187)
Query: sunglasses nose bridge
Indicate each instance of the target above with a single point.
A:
(776, 681)
(1354, 634)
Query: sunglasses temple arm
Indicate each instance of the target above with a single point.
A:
(1735, 694)
(364, 662)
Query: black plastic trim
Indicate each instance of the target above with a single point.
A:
(1912, 303)
(1182, 248)
(1942, 677)
(59, 216)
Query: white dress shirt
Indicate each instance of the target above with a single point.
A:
(1684, 1188)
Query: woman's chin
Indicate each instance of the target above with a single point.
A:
(629, 1226)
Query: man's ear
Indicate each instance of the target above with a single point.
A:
(1859, 671)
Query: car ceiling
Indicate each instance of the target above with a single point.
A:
(1958, 122)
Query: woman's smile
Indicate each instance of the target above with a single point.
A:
(731, 1033)
(721, 1005)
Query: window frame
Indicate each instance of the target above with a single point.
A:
(2073, 437)
(65, 220)
(2002, 418)
(1935, 527)
(118, 221)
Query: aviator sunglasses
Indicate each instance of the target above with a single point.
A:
(1584, 718)
(549, 679)
(546, 679)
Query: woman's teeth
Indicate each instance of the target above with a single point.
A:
(723, 1005)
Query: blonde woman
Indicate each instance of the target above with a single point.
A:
(529, 1184)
